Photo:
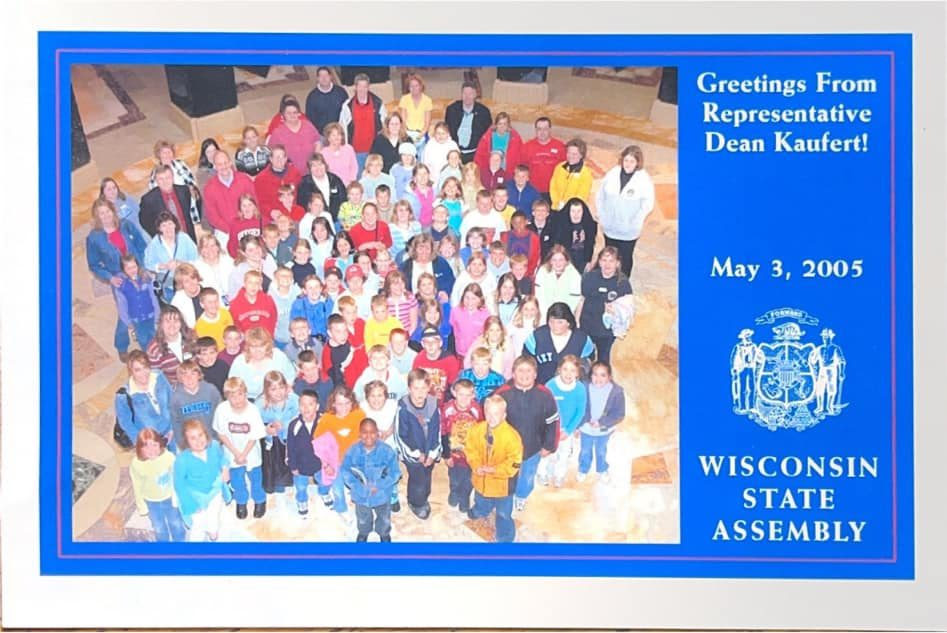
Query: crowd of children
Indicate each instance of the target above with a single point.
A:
(345, 334)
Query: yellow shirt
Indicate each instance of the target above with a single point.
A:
(507, 214)
(377, 333)
(414, 115)
(152, 479)
(214, 329)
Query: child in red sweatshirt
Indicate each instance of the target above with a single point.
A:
(458, 416)
(252, 307)
(520, 240)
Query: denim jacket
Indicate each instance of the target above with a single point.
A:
(363, 470)
(104, 259)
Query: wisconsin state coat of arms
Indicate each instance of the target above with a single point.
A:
(787, 383)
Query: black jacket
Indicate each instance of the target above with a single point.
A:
(535, 416)
(481, 122)
(334, 197)
(563, 228)
(152, 203)
(389, 154)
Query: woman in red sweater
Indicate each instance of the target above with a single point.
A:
(499, 137)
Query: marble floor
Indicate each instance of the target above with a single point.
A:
(639, 505)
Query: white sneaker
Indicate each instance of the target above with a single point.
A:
(543, 480)
(519, 504)
(580, 477)
(605, 478)
(558, 482)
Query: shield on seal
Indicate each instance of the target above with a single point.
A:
(786, 379)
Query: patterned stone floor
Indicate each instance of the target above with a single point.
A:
(640, 505)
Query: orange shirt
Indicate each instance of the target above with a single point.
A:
(345, 429)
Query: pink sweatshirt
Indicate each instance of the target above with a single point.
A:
(343, 164)
(327, 450)
(467, 327)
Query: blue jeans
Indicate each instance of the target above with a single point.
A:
(593, 445)
(419, 483)
(166, 520)
(483, 506)
(380, 523)
(460, 485)
(238, 480)
(301, 483)
(527, 476)
(122, 340)
(338, 492)
(144, 332)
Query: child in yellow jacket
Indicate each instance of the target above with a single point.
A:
(494, 453)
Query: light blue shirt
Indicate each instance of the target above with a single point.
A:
(465, 129)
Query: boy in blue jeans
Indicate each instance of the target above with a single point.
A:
(370, 470)
(239, 428)
(300, 457)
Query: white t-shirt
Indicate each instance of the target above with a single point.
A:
(240, 428)
(492, 223)
(435, 155)
(177, 348)
(216, 276)
(488, 285)
(560, 341)
(305, 226)
(419, 269)
(385, 418)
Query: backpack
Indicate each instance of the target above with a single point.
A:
(118, 433)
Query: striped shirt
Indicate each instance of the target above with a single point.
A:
(400, 308)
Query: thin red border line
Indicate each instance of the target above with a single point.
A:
(890, 55)
(441, 53)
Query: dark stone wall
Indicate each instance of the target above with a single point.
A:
(667, 91)
(376, 74)
(80, 148)
(201, 90)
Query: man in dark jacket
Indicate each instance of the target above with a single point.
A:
(324, 102)
(167, 196)
(531, 409)
(467, 119)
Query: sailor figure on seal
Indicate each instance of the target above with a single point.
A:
(828, 365)
(746, 360)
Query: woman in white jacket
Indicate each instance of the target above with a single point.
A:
(624, 200)
(557, 280)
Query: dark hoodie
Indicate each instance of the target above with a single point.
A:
(419, 429)
(577, 238)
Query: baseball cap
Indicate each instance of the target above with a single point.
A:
(354, 271)
(430, 331)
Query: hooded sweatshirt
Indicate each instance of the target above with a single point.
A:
(419, 430)
(576, 237)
